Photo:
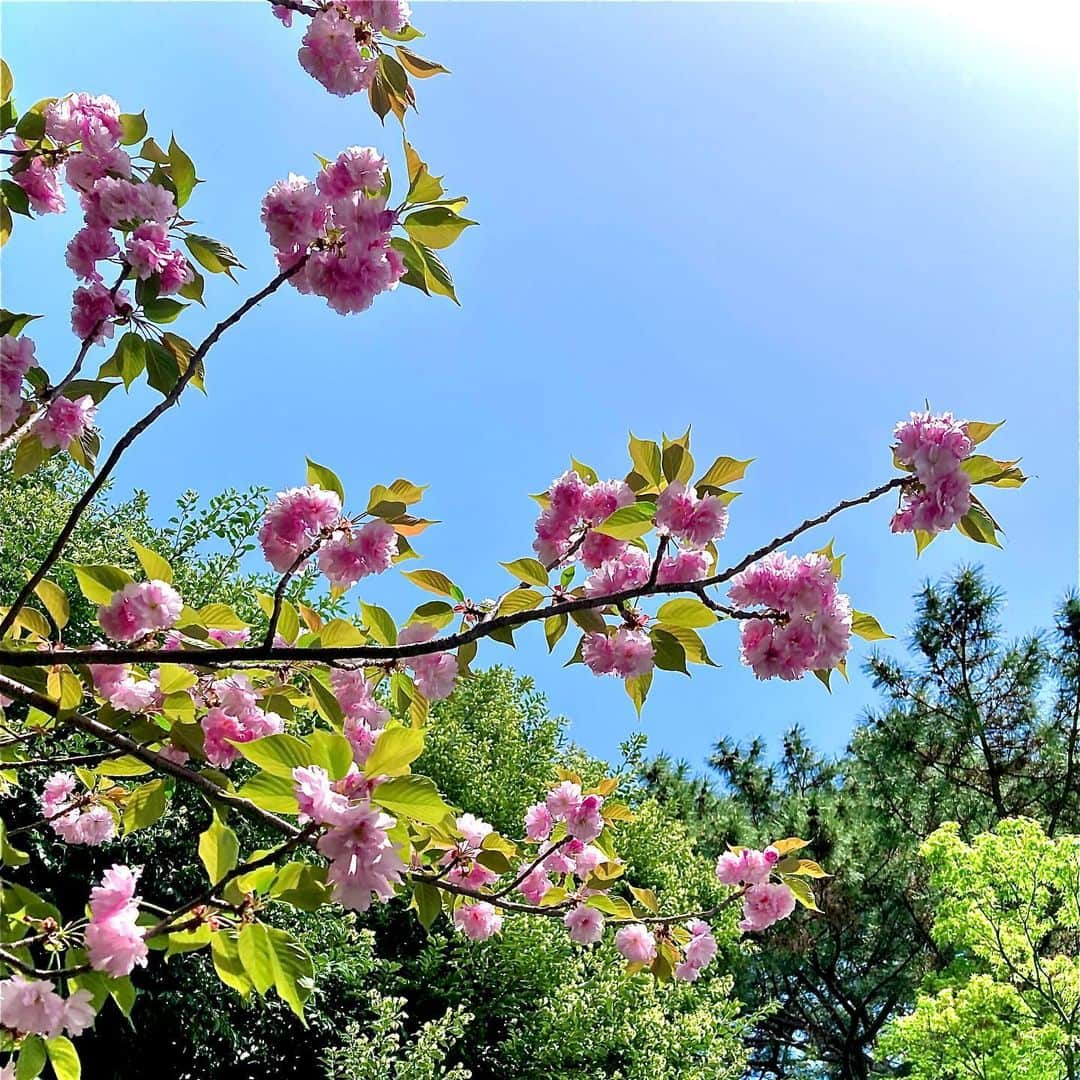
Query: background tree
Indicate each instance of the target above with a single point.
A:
(977, 728)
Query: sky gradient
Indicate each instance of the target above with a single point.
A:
(785, 225)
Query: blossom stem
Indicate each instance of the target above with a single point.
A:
(166, 403)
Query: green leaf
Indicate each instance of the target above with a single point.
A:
(212, 254)
(406, 33)
(55, 600)
(64, 1058)
(332, 751)
(274, 793)
(294, 973)
(668, 653)
(428, 901)
(638, 689)
(803, 893)
(144, 806)
(394, 751)
(554, 628)
(519, 600)
(302, 885)
(157, 568)
(277, 754)
(978, 431)
(162, 370)
(645, 455)
(29, 455)
(339, 633)
(227, 963)
(436, 226)
(866, 626)
(31, 126)
(98, 583)
(10, 855)
(173, 677)
(379, 622)
(645, 897)
(433, 581)
(412, 796)
(629, 522)
(219, 850)
(163, 310)
(7, 81)
(128, 361)
(723, 471)
(133, 127)
(977, 525)
(691, 642)
(530, 570)
(32, 1058)
(183, 172)
(436, 276)
(325, 478)
(15, 198)
(417, 65)
(221, 617)
(423, 187)
(686, 611)
(6, 223)
(253, 948)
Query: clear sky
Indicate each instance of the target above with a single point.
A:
(786, 225)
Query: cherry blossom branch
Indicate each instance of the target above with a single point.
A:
(297, 5)
(53, 392)
(122, 742)
(170, 399)
(76, 759)
(279, 592)
(392, 653)
(208, 896)
(541, 856)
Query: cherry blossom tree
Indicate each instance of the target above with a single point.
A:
(311, 725)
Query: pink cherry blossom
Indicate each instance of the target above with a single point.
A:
(84, 169)
(695, 521)
(934, 447)
(315, 796)
(686, 565)
(563, 798)
(330, 54)
(16, 359)
(33, 1007)
(435, 673)
(294, 520)
(354, 555)
(64, 421)
(632, 652)
(359, 168)
(87, 248)
(583, 821)
(380, 14)
(92, 121)
(114, 940)
(586, 924)
(93, 310)
(41, 182)
(766, 904)
(535, 884)
(70, 817)
(478, 921)
(538, 822)
(603, 498)
(473, 829)
(364, 862)
(294, 213)
(587, 860)
(636, 943)
(629, 570)
(745, 866)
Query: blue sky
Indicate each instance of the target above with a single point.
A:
(786, 225)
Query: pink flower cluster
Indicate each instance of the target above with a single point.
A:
(65, 421)
(466, 869)
(40, 179)
(94, 124)
(817, 632)
(114, 941)
(574, 857)
(149, 252)
(574, 505)
(336, 49)
(565, 802)
(33, 1007)
(354, 553)
(433, 673)
(478, 920)
(237, 718)
(364, 716)
(140, 608)
(117, 684)
(16, 359)
(353, 261)
(693, 520)
(636, 943)
(294, 521)
(92, 311)
(698, 952)
(75, 820)
(364, 862)
(934, 448)
(765, 902)
(625, 653)
(584, 924)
